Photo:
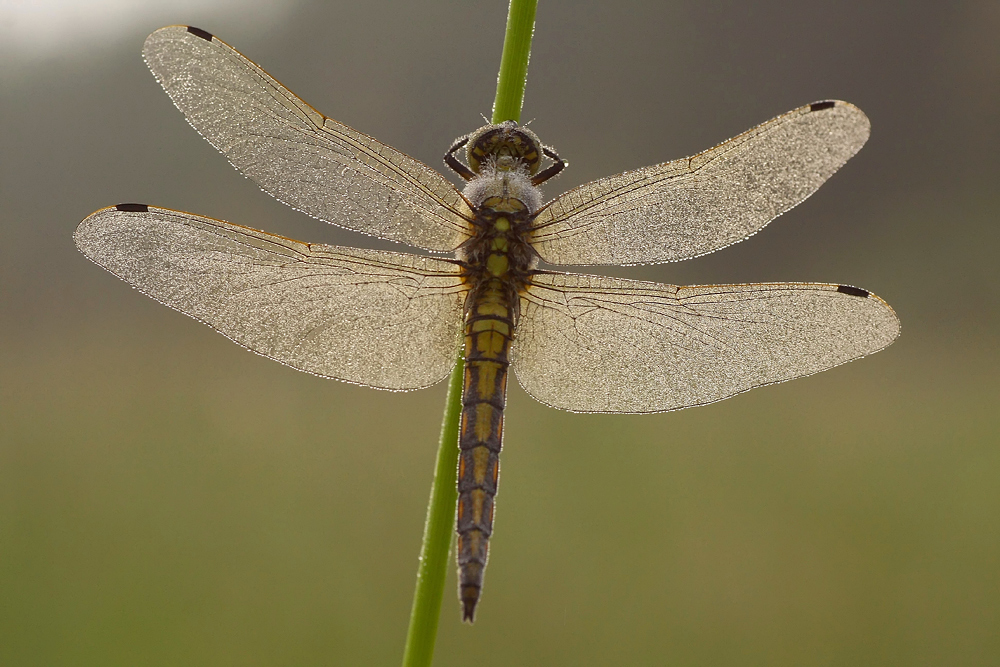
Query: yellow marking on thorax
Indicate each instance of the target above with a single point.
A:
(497, 264)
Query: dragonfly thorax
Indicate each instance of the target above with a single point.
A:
(507, 189)
(501, 224)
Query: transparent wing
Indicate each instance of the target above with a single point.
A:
(695, 205)
(381, 319)
(595, 344)
(306, 160)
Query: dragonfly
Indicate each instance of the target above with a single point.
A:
(397, 321)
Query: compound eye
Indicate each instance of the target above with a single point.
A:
(526, 147)
(483, 143)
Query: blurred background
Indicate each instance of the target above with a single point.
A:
(168, 498)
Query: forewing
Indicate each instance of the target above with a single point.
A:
(695, 205)
(296, 154)
(595, 344)
(382, 319)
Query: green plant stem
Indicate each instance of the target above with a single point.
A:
(440, 523)
(438, 529)
(514, 61)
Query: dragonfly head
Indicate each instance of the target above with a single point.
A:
(507, 145)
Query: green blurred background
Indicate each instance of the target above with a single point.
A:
(167, 498)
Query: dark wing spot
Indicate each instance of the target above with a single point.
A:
(204, 34)
(819, 106)
(853, 291)
(133, 208)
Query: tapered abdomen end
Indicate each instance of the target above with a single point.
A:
(470, 598)
(470, 579)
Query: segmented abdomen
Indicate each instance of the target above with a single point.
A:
(489, 327)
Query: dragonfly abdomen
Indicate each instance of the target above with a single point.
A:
(489, 329)
(498, 263)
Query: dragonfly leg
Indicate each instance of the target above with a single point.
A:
(454, 163)
(558, 164)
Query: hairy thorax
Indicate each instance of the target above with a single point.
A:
(505, 202)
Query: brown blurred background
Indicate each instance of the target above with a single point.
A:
(168, 498)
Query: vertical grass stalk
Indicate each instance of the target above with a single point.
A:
(438, 529)
(514, 61)
(440, 523)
